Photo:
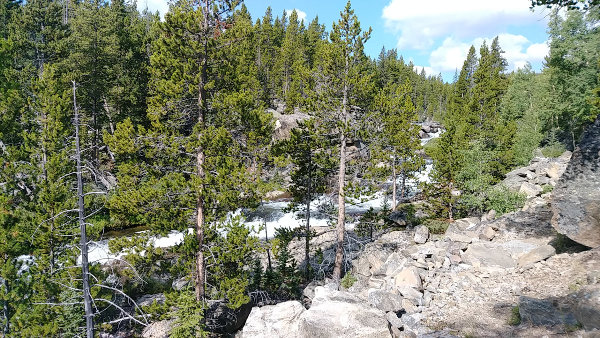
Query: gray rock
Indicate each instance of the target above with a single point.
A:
(398, 217)
(587, 306)
(408, 277)
(147, 300)
(158, 329)
(490, 216)
(487, 234)
(222, 319)
(538, 254)
(421, 234)
(576, 197)
(385, 301)
(281, 320)
(335, 318)
(545, 312)
(488, 256)
(180, 283)
(531, 190)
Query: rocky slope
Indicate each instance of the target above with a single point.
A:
(475, 280)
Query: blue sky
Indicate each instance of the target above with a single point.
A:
(434, 34)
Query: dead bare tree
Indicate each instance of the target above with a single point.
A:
(83, 242)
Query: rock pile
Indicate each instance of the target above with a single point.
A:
(540, 172)
(465, 282)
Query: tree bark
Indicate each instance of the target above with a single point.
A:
(394, 188)
(341, 221)
(403, 187)
(87, 298)
(307, 232)
(200, 158)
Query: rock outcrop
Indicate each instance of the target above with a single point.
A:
(332, 314)
(540, 172)
(576, 198)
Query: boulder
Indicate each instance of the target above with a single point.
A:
(408, 277)
(587, 306)
(279, 320)
(222, 319)
(538, 254)
(576, 197)
(421, 234)
(531, 190)
(180, 283)
(546, 312)
(488, 256)
(398, 217)
(341, 314)
(487, 234)
(159, 329)
(385, 301)
(148, 300)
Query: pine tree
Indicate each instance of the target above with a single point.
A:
(339, 86)
(312, 166)
(397, 140)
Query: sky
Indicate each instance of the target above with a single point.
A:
(434, 34)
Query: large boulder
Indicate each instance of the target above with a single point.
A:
(587, 308)
(385, 301)
(279, 320)
(222, 319)
(341, 314)
(421, 234)
(159, 329)
(489, 256)
(576, 197)
(538, 254)
(549, 312)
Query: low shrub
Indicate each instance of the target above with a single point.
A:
(436, 226)
(504, 201)
(348, 281)
(515, 317)
(554, 149)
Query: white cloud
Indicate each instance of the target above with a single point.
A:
(162, 6)
(301, 14)
(420, 23)
(428, 70)
(518, 50)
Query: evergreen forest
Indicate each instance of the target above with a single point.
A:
(113, 121)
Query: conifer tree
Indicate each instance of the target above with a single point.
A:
(339, 86)
(397, 140)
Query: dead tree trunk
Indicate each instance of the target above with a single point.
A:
(307, 232)
(394, 188)
(87, 298)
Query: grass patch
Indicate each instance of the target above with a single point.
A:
(515, 317)
(546, 188)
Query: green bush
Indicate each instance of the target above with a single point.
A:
(515, 317)
(503, 200)
(554, 149)
(546, 188)
(436, 226)
(348, 281)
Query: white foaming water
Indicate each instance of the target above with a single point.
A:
(272, 215)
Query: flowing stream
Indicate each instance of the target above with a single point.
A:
(272, 215)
